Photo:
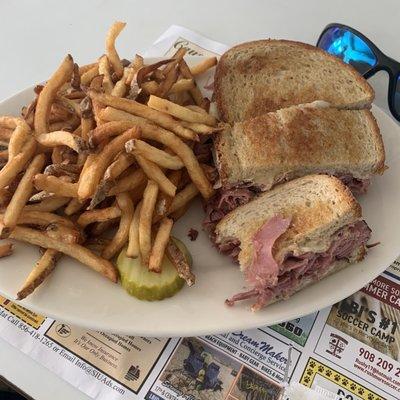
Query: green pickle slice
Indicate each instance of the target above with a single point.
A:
(139, 282)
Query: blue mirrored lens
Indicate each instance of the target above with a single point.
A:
(349, 47)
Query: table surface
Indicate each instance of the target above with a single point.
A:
(36, 35)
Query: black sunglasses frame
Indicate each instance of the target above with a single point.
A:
(383, 63)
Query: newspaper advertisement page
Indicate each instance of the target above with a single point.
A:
(350, 351)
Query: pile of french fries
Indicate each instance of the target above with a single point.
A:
(103, 146)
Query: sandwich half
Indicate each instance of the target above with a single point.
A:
(293, 236)
(298, 141)
(257, 77)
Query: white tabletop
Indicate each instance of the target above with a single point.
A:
(35, 35)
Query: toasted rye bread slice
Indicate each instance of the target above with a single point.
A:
(318, 206)
(298, 141)
(265, 75)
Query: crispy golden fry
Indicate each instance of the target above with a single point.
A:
(134, 67)
(42, 218)
(49, 92)
(164, 201)
(195, 92)
(6, 249)
(87, 125)
(150, 87)
(120, 87)
(182, 86)
(18, 138)
(108, 130)
(91, 176)
(122, 162)
(76, 251)
(71, 105)
(52, 184)
(133, 107)
(157, 156)
(171, 141)
(183, 197)
(86, 67)
(99, 215)
(62, 138)
(202, 129)
(180, 112)
(133, 249)
(43, 268)
(203, 66)
(111, 52)
(145, 220)
(64, 233)
(121, 236)
(71, 170)
(150, 71)
(5, 197)
(197, 109)
(48, 205)
(17, 164)
(5, 133)
(23, 192)
(159, 245)
(154, 172)
(180, 263)
(104, 69)
(74, 206)
(180, 212)
(87, 77)
(128, 183)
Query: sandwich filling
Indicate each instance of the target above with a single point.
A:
(270, 279)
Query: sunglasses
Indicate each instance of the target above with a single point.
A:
(357, 50)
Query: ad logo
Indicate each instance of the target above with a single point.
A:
(337, 345)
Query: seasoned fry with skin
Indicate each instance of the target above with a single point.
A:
(133, 107)
(43, 268)
(62, 138)
(154, 172)
(180, 263)
(52, 184)
(73, 250)
(108, 130)
(48, 205)
(111, 52)
(170, 78)
(99, 215)
(47, 95)
(133, 249)
(104, 69)
(23, 192)
(91, 176)
(145, 220)
(17, 164)
(6, 249)
(180, 112)
(121, 236)
(203, 66)
(159, 157)
(159, 245)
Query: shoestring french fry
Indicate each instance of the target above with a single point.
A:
(202, 129)
(128, 183)
(58, 186)
(159, 245)
(145, 220)
(42, 269)
(159, 157)
(121, 163)
(180, 262)
(18, 137)
(47, 95)
(23, 192)
(182, 85)
(104, 69)
(164, 201)
(42, 218)
(120, 238)
(133, 249)
(155, 173)
(80, 253)
(49, 204)
(62, 138)
(133, 107)
(64, 233)
(74, 206)
(170, 78)
(91, 176)
(194, 92)
(85, 68)
(87, 77)
(98, 215)
(107, 130)
(111, 52)
(203, 66)
(133, 68)
(180, 112)
(6, 249)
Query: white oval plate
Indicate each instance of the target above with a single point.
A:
(79, 296)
